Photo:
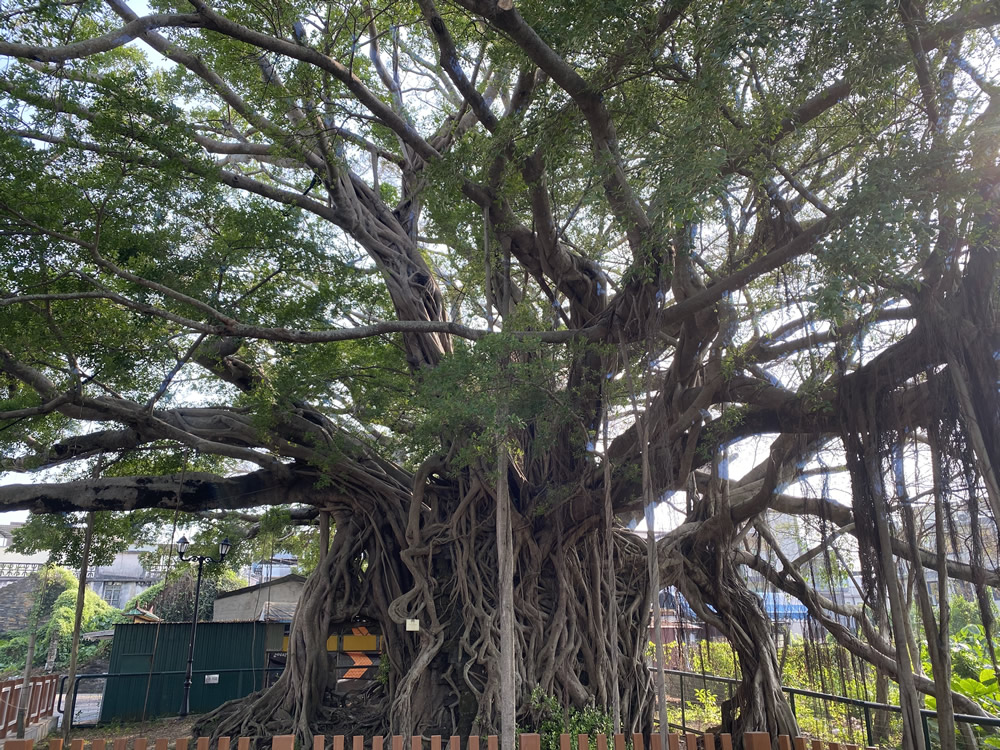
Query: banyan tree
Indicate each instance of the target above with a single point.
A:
(474, 283)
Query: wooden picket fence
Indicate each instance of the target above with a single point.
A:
(41, 701)
(689, 741)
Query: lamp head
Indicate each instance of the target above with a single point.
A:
(182, 545)
(224, 547)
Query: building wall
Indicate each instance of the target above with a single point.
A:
(278, 566)
(126, 571)
(125, 590)
(122, 579)
(247, 606)
(20, 597)
(126, 564)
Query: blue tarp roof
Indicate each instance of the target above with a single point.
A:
(784, 608)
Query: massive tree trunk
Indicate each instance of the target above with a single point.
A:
(431, 557)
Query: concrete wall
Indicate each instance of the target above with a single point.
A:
(244, 606)
(126, 564)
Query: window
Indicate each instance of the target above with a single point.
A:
(113, 594)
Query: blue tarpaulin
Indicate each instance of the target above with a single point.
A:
(777, 605)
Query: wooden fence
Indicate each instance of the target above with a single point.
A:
(751, 741)
(41, 701)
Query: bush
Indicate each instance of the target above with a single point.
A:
(820, 666)
(551, 719)
(173, 599)
(56, 615)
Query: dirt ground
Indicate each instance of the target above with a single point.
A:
(170, 729)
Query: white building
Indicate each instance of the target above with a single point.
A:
(124, 578)
(279, 566)
(13, 565)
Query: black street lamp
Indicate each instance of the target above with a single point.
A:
(182, 545)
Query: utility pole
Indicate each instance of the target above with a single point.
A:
(81, 592)
(505, 548)
(24, 699)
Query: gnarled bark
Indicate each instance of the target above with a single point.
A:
(437, 564)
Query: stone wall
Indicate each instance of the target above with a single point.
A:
(18, 597)
(16, 600)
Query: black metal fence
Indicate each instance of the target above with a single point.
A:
(854, 719)
(137, 696)
(84, 706)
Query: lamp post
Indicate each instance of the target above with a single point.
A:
(182, 545)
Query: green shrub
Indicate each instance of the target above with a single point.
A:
(551, 718)
(173, 599)
(56, 615)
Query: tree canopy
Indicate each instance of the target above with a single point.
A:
(411, 265)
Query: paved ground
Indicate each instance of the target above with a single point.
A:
(36, 732)
(87, 709)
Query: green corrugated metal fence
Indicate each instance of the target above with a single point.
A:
(148, 662)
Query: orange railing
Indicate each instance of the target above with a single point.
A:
(41, 701)
(751, 741)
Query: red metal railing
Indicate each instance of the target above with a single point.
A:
(41, 701)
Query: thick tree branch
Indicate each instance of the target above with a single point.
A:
(112, 40)
(189, 492)
(978, 16)
(617, 188)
